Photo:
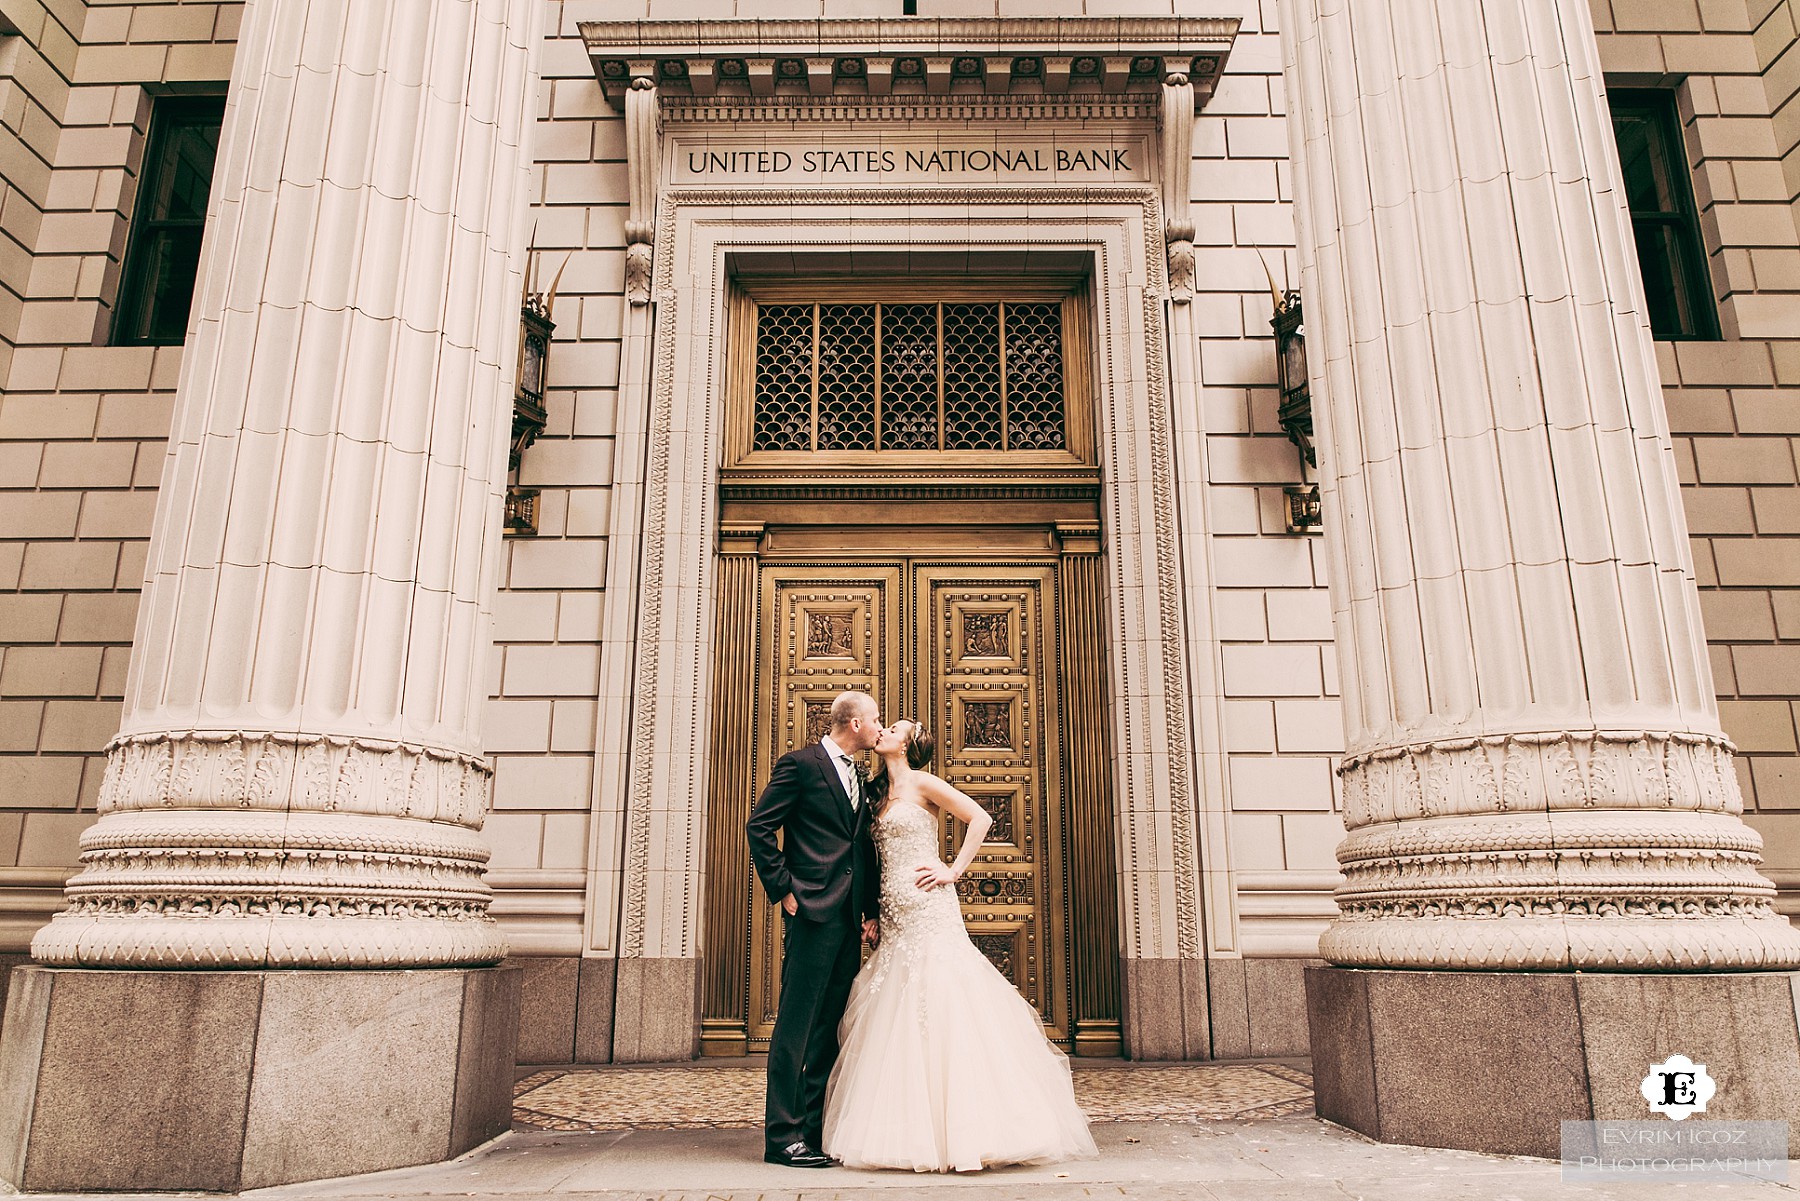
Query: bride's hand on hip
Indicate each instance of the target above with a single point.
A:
(930, 875)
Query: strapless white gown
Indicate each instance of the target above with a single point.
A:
(943, 1065)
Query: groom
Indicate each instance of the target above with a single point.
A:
(824, 877)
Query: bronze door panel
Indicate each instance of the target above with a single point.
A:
(824, 632)
(987, 680)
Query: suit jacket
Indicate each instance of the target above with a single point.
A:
(826, 856)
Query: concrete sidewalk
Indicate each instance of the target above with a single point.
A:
(1281, 1159)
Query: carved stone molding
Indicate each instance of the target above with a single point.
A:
(803, 58)
(281, 772)
(850, 110)
(650, 614)
(1075, 484)
(1606, 769)
(181, 887)
(659, 802)
(1174, 665)
(643, 160)
(225, 848)
(1600, 850)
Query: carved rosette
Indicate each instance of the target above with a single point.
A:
(1597, 850)
(225, 849)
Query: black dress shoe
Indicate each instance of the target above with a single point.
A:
(798, 1154)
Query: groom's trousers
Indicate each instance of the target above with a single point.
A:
(819, 960)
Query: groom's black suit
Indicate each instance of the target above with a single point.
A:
(827, 860)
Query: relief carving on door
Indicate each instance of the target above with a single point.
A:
(968, 648)
(989, 681)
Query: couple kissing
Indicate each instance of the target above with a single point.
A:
(924, 1058)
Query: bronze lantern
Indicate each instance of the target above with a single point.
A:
(529, 413)
(1295, 413)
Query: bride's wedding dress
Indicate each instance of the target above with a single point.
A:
(943, 1064)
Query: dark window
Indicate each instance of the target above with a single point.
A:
(1671, 254)
(156, 288)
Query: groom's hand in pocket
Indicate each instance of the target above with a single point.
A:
(872, 931)
(789, 905)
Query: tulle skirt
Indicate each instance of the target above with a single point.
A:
(944, 1067)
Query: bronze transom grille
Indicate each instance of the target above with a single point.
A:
(909, 377)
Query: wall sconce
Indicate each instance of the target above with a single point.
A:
(1304, 515)
(529, 413)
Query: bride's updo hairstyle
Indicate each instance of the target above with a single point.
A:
(920, 747)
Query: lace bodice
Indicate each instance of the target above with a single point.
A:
(906, 835)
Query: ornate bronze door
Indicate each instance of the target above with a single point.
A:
(968, 647)
(987, 684)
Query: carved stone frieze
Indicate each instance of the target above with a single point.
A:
(1584, 769)
(246, 888)
(281, 772)
(1529, 850)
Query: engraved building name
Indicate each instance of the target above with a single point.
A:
(1060, 157)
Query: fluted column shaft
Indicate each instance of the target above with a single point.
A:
(298, 780)
(1535, 775)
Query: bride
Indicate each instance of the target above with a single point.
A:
(943, 1064)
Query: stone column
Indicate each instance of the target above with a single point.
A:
(1535, 775)
(299, 778)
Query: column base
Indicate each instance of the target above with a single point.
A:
(1496, 1061)
(226, 1081)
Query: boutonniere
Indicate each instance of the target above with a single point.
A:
(862, 771)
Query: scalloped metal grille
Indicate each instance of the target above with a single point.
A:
(972, 412)
(847, 377)
(909, 377)
(1034, 377)
(784, 377)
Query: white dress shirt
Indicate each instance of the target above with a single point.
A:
(846, 768)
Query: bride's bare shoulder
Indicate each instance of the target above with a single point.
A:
(931, 784)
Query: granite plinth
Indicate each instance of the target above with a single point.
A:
(1496, 1061)
(231, 1080)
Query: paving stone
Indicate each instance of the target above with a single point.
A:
(726, 1097)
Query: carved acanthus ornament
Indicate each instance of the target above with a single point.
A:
(1177, 190)
(643, 160)
(1530, 850)
(231, 842)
